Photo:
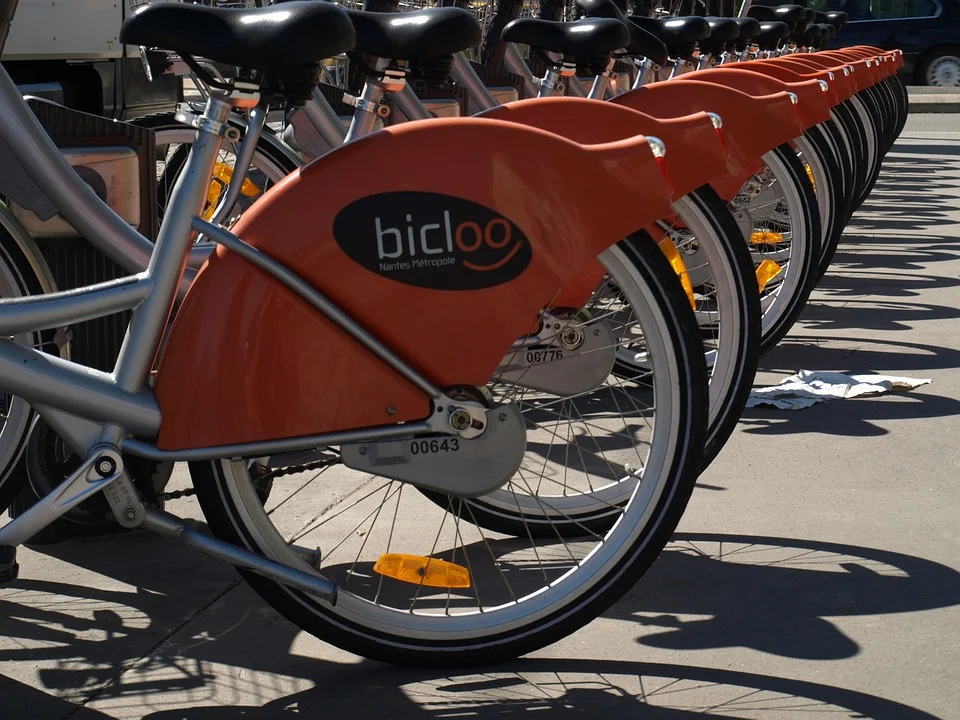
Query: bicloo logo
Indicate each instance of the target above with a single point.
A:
(432, 240)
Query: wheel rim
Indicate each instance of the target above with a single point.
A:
(779, 209)
(15, 413)
(716, 296)
(594, 559)
(944, 72)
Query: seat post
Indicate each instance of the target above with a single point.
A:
(551, 82)
(678, 67)
(601, 82)
(367, 103)
(648, 72)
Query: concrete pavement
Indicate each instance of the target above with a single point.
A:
(815, 571)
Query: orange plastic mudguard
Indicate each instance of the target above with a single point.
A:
(442, 238)
(695, 151)
(840, 86)
(812, 105)
(752, 125)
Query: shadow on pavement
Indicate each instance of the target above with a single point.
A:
(857, 418)
(774, 594)
(771, 594)
(563, 688)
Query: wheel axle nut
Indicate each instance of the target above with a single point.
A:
(459, 419)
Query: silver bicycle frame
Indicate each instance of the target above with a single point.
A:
(96, 411)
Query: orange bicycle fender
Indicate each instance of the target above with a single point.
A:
(752, 126)
(758, 80)
(695, 151)
(441, 238)
(790, 71)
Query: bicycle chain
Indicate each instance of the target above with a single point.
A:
(290, 470)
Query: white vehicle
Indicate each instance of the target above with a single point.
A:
(69, 52)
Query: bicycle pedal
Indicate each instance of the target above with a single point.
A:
(9, 569)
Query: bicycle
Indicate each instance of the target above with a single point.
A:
(405, 400)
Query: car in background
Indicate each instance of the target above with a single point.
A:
(928, 32)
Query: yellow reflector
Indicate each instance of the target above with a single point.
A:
(679, 267)
(765, 237)
(221, 179)
(421, 570)
(767, 271)
(810, 175)
(224, 173)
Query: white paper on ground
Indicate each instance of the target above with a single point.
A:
(809, 387)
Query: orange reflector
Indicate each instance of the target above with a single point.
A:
(810, 175)
(765, 237)
(222, 173)
(420, 570)
(679, 267)
(767, 271)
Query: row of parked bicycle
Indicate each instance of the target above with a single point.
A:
(446, 388)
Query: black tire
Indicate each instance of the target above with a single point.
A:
(13, 472)
(746, 347)
(832, 226)
(793, 176)
(933, 56)
(229, 520)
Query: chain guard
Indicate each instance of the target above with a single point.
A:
(463, 467)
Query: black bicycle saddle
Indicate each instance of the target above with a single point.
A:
(723, 32)
(680, 34)
(789, 14)
(749, 28)
(642, 43)
(271, 39)
(587, 38)
(418, 35)
(771, 33)
(838, 19)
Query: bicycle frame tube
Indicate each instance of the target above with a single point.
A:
(409, 104)
(463, 74)
(513, 62)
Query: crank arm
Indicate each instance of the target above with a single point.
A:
(96, 473)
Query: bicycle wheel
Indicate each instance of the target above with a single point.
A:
(777, 212)
(813, 150)
(720, 275)
(523, 593)
(19, 277)
(725, 292)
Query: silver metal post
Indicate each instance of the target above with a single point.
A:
(513, 62)
(647, 73)
(324, 119)
(173, 243)
(464, 75)
(256, 118)
(599, 88)
(409, 104)
(365, 117)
